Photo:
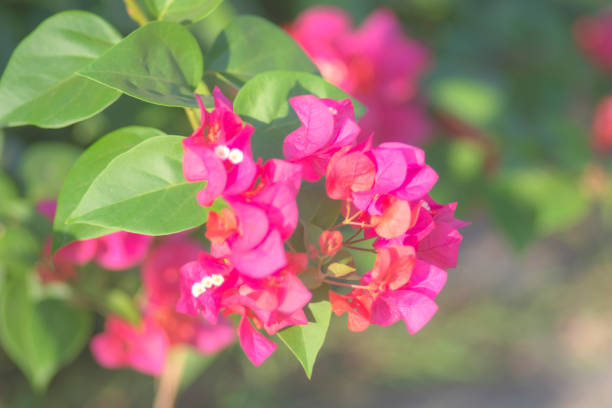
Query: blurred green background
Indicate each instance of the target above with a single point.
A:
(525, 319)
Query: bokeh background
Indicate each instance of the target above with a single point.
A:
(526, 317)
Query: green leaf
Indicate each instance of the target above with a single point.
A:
(94, 160)
(264, 102)
(41, 335)
(250, 45)
(306, 341)
(339, 269)
(143, 190)
(160, 63)
(182, 10)
(40, 86)
(45, 166)
(478, 102)
(316, 208)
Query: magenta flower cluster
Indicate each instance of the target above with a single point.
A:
(252, 271)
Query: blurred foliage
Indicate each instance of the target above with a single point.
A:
(509, 70)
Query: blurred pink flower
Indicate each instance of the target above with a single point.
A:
(141, 347)
(602, 125)
(377, 63)
(594, 36)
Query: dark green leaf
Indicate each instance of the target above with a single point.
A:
(159, 63)
(143, 190)
(306, 341)
(41, 335)
(40, 87)
(250, 45)
(93, 161)
(264, 102)
(182, 10)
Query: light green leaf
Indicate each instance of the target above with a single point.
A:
(339, 270)
(143, 190)
(264, 102)
(306, 341)
(45, 166)
(41, 335)
(160, 63)
(92, 161)
(182, 10)
(40, 86)
(250, 45)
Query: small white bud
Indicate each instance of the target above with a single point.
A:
(207, 282)
(333, 111)
(197, 289)
(217, 279)
(236, 156)
(222, 152)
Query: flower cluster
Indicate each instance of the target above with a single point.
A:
(144, 346)
(252, 269)
(376, 63)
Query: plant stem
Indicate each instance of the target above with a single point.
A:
(193, 120)
(345, 284)
(134, 11)
(170, 379)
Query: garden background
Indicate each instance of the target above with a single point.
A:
(525, 318)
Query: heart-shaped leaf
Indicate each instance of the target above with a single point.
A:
(87, 167)
(40, 86)
(40, 335)
(182, 10)
(143, 190)
(306, 341)
(250, 45)
(160, 63)
(264, 102)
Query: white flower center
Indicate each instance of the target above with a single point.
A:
(197, 289)
(207, 282)
(236, 156)
(425, 205)
(222, 152)
(333, 111)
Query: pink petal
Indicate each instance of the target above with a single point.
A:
(253, 226)
(296, 295)
(122, 250)
(415, 308)
(255, 345)
(316, 130)
(263, 260)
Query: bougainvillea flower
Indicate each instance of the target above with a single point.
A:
(141, 347)
(594, 35)
(252, 243)
(160, 272)
(330, 242)
(376, 63)
(398, 287)
(602, 125)
(327, 126)
(219, 151)
(161, 281)
(202, 286)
